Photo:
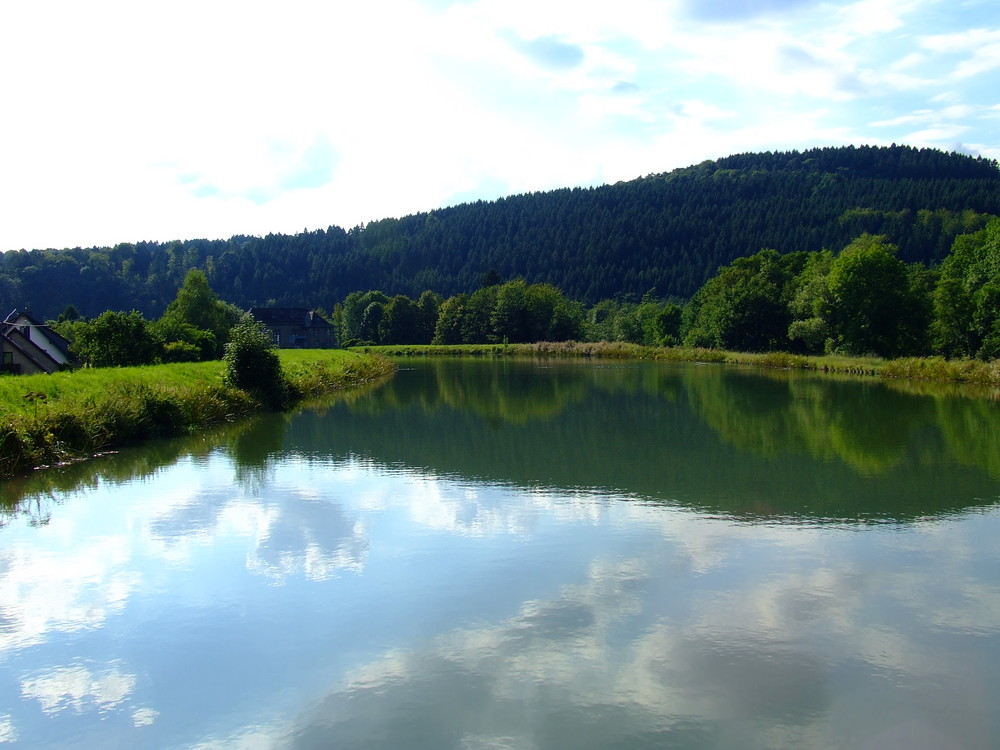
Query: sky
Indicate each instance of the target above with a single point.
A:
(131, 121)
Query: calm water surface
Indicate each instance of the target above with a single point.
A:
(532, 555)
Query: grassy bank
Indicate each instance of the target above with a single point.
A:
(915, 368)
(51, 419)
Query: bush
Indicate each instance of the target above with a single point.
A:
(252, 364)
(116, 339)
(181, 351)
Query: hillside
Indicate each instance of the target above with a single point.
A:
(665, 232)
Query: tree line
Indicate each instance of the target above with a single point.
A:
(513, 311)
(196, 326)
(862, 300)
(663, 235)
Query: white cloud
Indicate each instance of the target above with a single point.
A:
(875, 17)
(130, 122)
(980, 47)
(8, 732)
(144, 717)
(945, 128)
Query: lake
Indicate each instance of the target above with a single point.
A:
(532, 554)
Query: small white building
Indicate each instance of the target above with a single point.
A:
(29, 346)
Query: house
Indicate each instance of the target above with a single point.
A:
(29, 346)
(296, 327)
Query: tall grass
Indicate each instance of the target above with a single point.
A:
(51, 419)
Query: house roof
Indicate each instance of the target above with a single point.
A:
(289, 316)
(54, 336)
(37, 356)
(10, 329)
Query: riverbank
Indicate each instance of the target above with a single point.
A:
(912, 368)
(51, 419)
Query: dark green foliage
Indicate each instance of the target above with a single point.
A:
(666, 232)
(664, 327)
(252, 364)
(353, 315)
(115, 339)
(371, 321)
(875, 306)
(490, 278)
(448, 329)
(428, 307)
(182, 342)
(69, 314)
(745, 307)
(650, 323)
(401, 322)
(196, 309)
(191, 329)
(863, 301)
(967, 297)
(809, 304)
(524, 314)
(514, 312)
(475, 325)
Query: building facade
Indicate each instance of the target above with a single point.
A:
(296, 327)
(28, 346)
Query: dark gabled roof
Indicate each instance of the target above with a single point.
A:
(289, 316)
(38, 356)
(57, 339)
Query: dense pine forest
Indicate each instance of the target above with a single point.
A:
(662, 236)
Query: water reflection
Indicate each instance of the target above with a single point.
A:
(652, 556)
(79, 688)
(634, 657)
(747, 443)
(255, 446)
(865, 425)
(741, 443)
(309, 534)
(494, 390)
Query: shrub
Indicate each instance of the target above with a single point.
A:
(252, 364)
(181, 351)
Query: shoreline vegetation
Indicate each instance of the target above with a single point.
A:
(939, 369)
(51, 420)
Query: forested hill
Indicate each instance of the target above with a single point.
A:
(665, 233)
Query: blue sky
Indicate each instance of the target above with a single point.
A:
(126, 121)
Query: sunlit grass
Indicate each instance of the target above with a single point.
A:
(77, 386)
(47, 419)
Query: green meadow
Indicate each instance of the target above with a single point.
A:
(52, 419)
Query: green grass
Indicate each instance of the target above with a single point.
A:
(50, 419)
(78, 386)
